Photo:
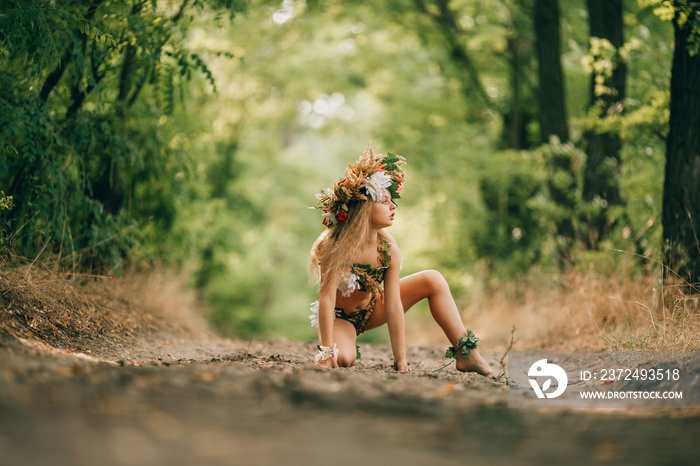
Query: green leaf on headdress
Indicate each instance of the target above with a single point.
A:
(389, 162)
(394, 190)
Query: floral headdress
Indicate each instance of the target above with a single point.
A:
(365, 179)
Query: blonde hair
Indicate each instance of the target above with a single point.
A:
(334, 249)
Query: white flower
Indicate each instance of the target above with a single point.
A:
(326, 193)
(348, 284)
(314, 314)
(376, 184)
(330, 218)
(326, 352)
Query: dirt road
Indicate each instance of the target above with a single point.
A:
(184, 400)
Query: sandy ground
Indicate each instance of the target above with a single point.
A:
(185, 399)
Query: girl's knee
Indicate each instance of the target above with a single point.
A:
(346, 360)
(436, 281)
(347, 354)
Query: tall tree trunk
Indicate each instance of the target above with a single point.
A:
(519, 115)
(601, 176)
(553, 119)
(513, 122)
(681, 201)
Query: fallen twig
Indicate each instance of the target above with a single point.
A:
(510, 346)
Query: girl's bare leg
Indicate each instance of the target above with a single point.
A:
(432, 285)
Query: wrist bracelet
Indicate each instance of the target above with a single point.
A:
(326, 352)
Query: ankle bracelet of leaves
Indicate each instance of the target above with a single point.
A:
(326, 352)
(467, 344)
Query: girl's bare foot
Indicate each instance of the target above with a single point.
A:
(473, 363)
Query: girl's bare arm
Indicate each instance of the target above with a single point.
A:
(326, 316)
(394, 310)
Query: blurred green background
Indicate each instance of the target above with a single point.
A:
(194, 135)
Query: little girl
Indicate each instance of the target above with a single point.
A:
(357, 263)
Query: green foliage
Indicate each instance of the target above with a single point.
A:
(534, 211)
(686, 13)
(513, 231)
(34, 32)
(84, 154)
(6, 206)
(602, 60)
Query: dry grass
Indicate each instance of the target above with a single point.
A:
(78, 311)
(579, 312)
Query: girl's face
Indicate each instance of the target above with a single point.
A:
(383, 212)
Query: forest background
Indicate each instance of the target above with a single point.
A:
(192, 135)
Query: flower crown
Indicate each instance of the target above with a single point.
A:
(366, 178)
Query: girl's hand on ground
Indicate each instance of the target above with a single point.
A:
(401, 366)
(329, 363)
